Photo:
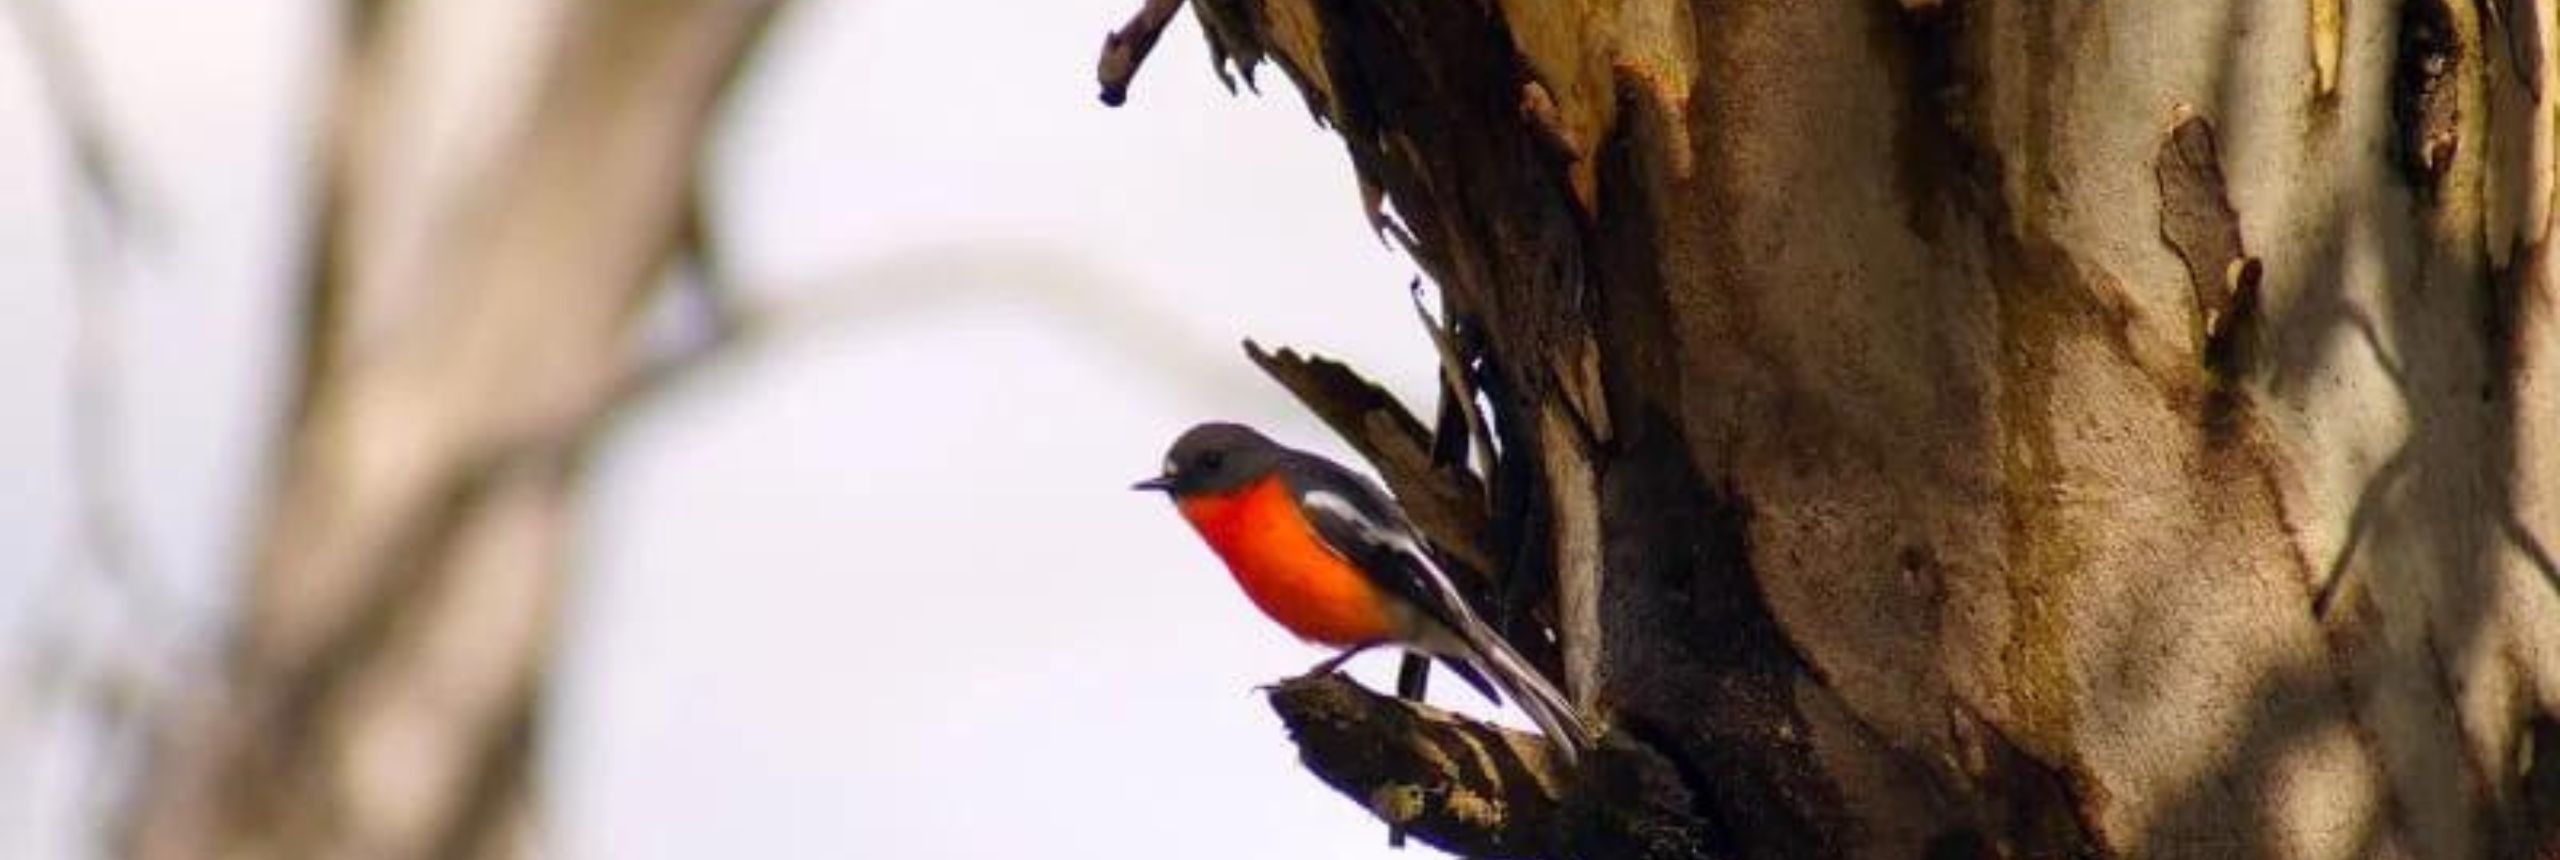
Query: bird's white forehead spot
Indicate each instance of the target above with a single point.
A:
(1168, 465)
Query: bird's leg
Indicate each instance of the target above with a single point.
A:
(1412, 678)
(1335, 662)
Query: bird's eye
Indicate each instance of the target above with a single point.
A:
(1212, 460)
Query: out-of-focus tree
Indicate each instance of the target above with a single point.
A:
(502, 187)
(1968, 428)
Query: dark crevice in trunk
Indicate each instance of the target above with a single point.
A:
(2425, 95)
(1521, 522)
(1691, 649)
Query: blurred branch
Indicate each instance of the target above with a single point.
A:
(707, 260)
(459, 340)
(72, 97)
(1084, 301)
(108, 669)
(95, 416)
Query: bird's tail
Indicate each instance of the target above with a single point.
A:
(1545, 704)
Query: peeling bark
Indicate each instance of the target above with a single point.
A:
(2196, 218)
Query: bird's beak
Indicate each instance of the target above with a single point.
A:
(1159, 483)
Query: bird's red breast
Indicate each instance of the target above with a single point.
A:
(1285, 566)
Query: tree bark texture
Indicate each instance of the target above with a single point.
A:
(501, 186)
(1981, 428)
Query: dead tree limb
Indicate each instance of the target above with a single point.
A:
(1483, 791)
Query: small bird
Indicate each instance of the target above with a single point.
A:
(1328, 554)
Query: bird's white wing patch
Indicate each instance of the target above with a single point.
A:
(1370, 529)
(1438, 598)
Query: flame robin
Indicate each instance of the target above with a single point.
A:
(1328, 554)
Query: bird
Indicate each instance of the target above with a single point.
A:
(1331, 557)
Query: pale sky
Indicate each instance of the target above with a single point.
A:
(873, 591)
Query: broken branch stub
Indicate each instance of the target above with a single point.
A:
(1483, 791)
(1125, 49)
(1466, 787)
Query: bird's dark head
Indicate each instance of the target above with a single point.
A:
(1214, 459)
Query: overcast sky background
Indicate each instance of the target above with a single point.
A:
(875, 590)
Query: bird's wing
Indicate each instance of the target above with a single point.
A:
(1362, 523)
(1359, 520)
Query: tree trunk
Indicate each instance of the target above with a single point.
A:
(1968, 428)
(484, 246)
